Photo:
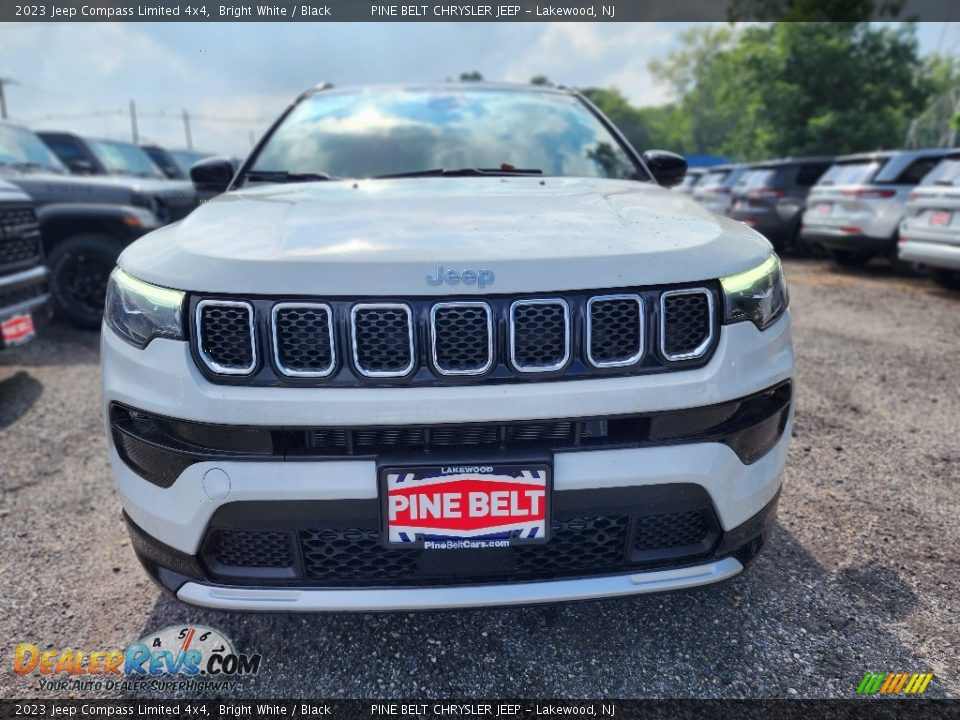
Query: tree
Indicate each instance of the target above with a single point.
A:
(540, 80)
(473, 76)
(799, 88)
(695, 80)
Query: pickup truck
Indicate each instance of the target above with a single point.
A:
(85, 221)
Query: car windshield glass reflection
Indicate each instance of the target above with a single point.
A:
(21, 147)
(370, 134)
(125, 158)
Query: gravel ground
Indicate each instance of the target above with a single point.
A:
(862, 573)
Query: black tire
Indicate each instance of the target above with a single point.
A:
(848, 258)
(79, 269)
(950, 279)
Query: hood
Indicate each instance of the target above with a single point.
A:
(385, 237)
(11, 193)
(49, 187)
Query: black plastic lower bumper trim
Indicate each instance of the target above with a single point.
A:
(159, 449)
(170, 569)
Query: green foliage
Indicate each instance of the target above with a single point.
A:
(473, 76)
(540, 80)
(801, 88)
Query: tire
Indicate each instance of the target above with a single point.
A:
(848, 258)
(949, 279)
(79, 269)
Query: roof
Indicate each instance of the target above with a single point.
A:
(780, 162)
(886, 154)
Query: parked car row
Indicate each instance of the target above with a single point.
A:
(88, 199)
(897, 203)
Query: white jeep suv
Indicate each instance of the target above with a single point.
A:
(442, 347)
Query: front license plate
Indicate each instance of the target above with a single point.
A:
(940, 218)
(17, 329)
(450, 507)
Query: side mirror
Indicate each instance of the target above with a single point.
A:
(668, 168)
(212, 175)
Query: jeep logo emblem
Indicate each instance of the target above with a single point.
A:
(480, 278)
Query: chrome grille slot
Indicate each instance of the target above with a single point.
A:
(615, 330)
(303, 344)
(539, 335)
(461, 337)
(225, 336)
(686, 323)
(382, 339)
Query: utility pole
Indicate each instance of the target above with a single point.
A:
(133, 122)
(3, 100)
(186, 130)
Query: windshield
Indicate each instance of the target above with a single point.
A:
(385, 132)
(858, 173)
(689, 180)
(947, 172)
(19, 146)
(124, 158)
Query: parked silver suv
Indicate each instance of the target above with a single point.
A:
(715, 189)
(930, 231)
(854, 211)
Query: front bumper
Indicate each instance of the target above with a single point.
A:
(178, 519)
(182, 576)
(837, 239)
(25, 292)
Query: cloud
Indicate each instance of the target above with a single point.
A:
(234, 78)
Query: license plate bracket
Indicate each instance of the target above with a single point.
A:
(16, 330)
(941, 218)
(465, 506)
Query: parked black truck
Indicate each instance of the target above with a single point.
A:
(85, 221)
(23, 278)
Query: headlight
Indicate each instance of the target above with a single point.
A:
(139, 312)
(758, 295)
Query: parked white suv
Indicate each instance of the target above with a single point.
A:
(854, 210)
(441, 347)
(930, 231)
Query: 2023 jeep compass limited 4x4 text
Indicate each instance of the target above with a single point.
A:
(441, 347)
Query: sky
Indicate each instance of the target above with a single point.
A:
(235, 78)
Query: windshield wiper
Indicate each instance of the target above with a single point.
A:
(282, 176)
(462, 172)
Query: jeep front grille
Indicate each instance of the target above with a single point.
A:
(462, 337)
(225, 336)
(382, 339)
(426, 341)
(303, 344)
(20, 244)
(614, 330)
(686, 329)
(539, 335)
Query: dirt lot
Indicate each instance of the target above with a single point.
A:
(863, 573)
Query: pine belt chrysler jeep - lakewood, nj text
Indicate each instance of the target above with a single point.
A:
(442, 347)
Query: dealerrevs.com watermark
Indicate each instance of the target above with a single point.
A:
(192, 658)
